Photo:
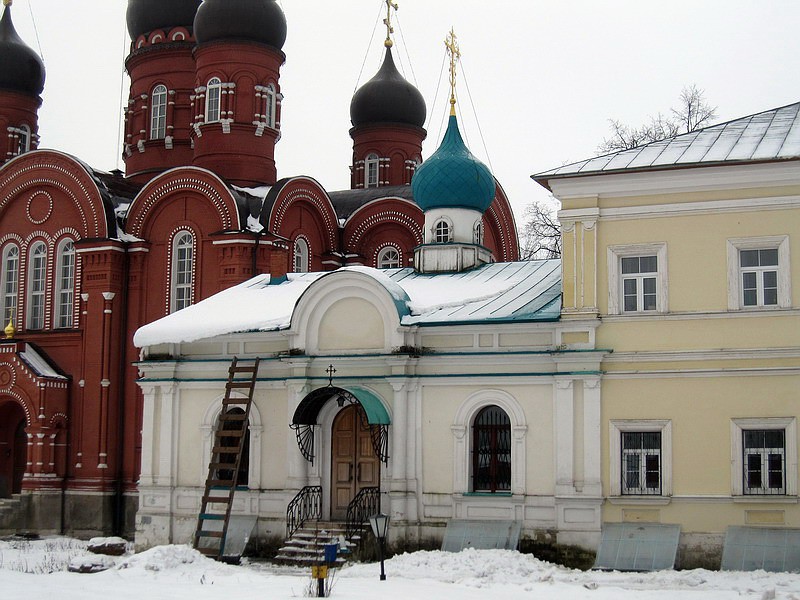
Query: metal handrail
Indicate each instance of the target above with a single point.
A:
(366, 503)
(305, 506)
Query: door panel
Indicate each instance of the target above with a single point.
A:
(354, 464)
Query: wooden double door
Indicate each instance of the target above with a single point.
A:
(354, 465)
(13, 448)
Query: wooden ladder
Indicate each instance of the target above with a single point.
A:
(226, 457)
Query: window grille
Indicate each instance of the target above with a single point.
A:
(764, 461)
(491, 451)
(641, 463)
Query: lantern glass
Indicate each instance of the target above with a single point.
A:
(379, 524)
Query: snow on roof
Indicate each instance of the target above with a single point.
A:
(39, 364)
(498, 292)
(769, 135)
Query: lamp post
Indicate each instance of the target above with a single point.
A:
(379, 524)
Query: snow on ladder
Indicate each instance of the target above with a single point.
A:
(226, 457)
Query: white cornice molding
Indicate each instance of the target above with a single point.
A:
(704, 315)
(701, 355)
(692, 208)
(679, 179)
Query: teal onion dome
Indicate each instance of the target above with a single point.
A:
(452, 177)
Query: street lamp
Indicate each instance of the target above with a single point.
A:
(379, 524)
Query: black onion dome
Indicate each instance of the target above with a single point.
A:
(388, 98)
(260, 21)
(144, 16)
(21, 69)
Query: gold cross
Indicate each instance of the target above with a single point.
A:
(388, 22)
(451, 43)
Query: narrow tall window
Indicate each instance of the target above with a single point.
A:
(270, 109)
(182, 270)
(24, 140)
(639, 276)
(213, 96)
(759, 277)
(65, 282)
(442, 232)
(641, 462)
(478, 232)
(10, 282)
(301, 262)
(37, 270)
(242, 474)
(388, 258)
(491, 451)
(764, 461)
(371, 166)
(158, 113)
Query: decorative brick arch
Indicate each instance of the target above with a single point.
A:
(29, 173)
(191, 180)
(500, 228)
(385, 221)
(304, 192)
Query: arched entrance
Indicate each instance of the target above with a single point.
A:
(354, 464)
(13, 448)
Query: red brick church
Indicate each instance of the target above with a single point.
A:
(88, 256)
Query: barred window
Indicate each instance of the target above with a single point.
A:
(641, 462)
(242, 475)
(491, 451)
(764, 461)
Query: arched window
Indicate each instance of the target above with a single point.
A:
(491, 451)
(158, 113)
(213, 96)
(271, 104)
(242, 477)
(24, 140)
(478, 232)
(371, 166)
(10, 281)
(388, 258)
(301, 262)
(442, 232)
(37, 283)
(182, 270)
(65, 284)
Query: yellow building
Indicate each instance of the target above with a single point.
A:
(685, 251)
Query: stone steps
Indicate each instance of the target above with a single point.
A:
(306, 547)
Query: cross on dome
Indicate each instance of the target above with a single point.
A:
(451, 43)
(388, 22)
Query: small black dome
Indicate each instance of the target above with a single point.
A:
(21, 69)
(144, 16)
(260, 21)
(388, 98)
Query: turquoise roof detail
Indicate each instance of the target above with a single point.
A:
(452, 177)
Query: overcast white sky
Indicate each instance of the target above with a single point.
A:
(544, 77)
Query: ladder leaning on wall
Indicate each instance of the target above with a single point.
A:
(226, 457)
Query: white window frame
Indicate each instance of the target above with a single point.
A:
(37, 286)
(301, 255)
(789, 425)
(158, 113)
(384, 261)
(271, 108)
(372, 171)
(615, 290)
(442, 231)
(616, 428)
(182, 291)
(478, 231)
(24, 139)
(777, 242)
(213, 100)
(65, 284)
(10, 282)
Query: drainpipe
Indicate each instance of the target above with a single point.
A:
(119, 496)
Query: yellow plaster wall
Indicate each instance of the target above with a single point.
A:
(351, 324)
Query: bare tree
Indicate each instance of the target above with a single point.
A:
(540, 236)
(693, 112)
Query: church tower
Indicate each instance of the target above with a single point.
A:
(21, 84)
(388, 115)
(237, 99)
(454, 189)
(161, 67)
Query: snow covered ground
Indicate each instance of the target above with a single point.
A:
(37, 570)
